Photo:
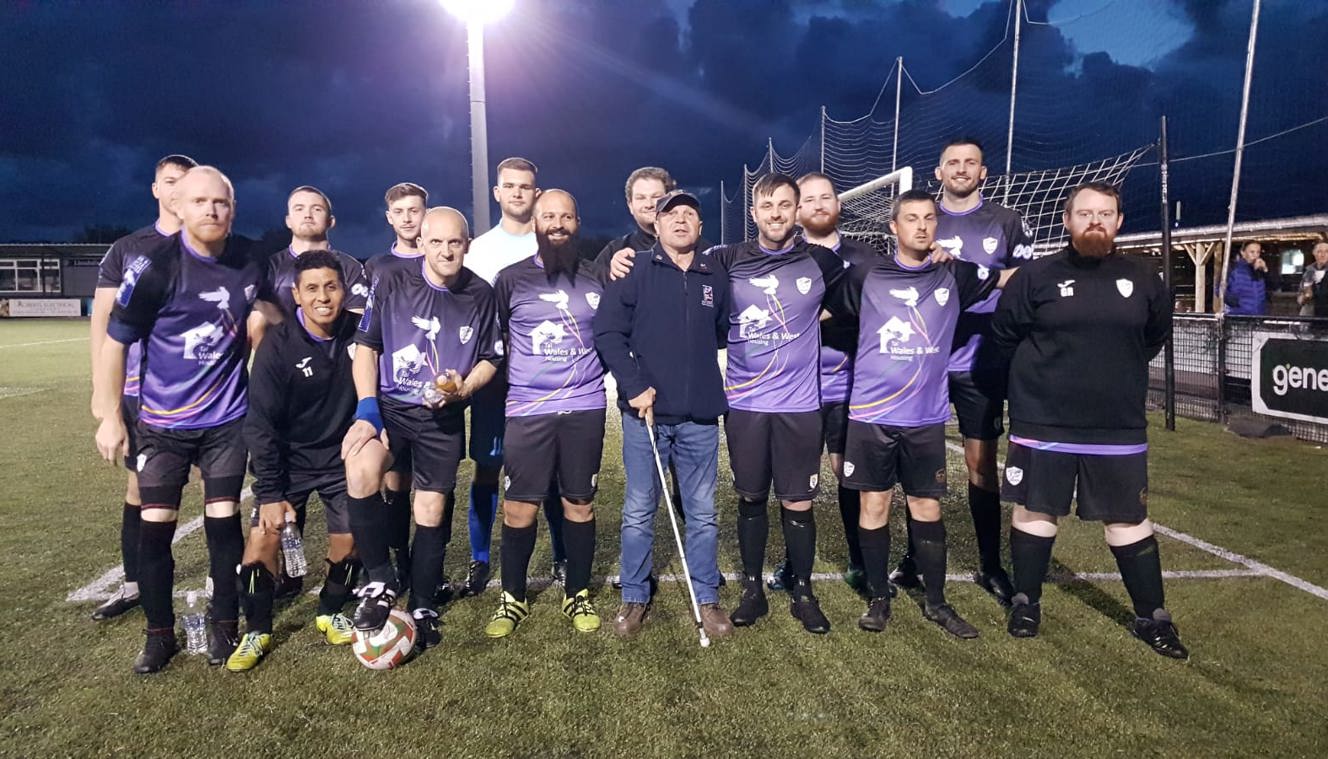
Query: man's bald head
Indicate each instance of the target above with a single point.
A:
(205, 202)
(562, 197)
(444, 214)
(556, 223)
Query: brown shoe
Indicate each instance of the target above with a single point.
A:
(629, 619)
(715, 621)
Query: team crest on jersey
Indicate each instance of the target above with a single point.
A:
(1125, 286)
(804, 284)
(1014, 474)
(813, 480)
(849, 468)
(989, 244)
(465, 333)
(942, 295)
(249, 293)
(350, 351)
(498, 347)
(983, 273)
(593, 300)
(707, 296)
(142, 461)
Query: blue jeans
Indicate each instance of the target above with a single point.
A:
(694, 449)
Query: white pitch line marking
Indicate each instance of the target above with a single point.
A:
(44, 342)
(103, 587)
(1226, 554)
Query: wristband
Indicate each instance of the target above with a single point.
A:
(367, 411)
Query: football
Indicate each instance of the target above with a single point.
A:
(388, 648)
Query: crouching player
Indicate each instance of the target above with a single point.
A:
(907, 307)
(427, 341)
(301, 403)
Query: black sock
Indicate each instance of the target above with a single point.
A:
(397, 503)
(800, 540)
(225, 543)
(850, 506)
(909, 546)
(753, 531)
(985, 506)
(1141, 569)
(370, 525)
(1031, 555)
(553, 514)
(256, 589)
(337, 586)
(449, 508)
(929, 552)
(579, 538)
(518, 543)
(876, 560)
(156, 577)
(129, 522)
(426, 566)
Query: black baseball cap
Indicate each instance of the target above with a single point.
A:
(677, 197)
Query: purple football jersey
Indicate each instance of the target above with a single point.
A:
(192, 309)
(774, 341)
(111, 273)
(552, 365)
(836, 364)
(992, 237)
(420, 329)
(906, 321)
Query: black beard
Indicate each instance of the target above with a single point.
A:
(557, 257)
(1093, 245)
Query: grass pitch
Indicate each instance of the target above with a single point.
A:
(1256, 685)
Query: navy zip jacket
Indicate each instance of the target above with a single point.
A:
(662, 327)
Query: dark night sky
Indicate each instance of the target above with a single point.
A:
(354, 96)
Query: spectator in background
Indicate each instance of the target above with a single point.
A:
(1313, 293)
(1248, 283)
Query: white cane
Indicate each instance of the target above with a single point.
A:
(677, 536)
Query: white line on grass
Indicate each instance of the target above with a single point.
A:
(102, 588)
(1257, 567)
(44, 342)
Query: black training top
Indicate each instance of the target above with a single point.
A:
(1081, 332)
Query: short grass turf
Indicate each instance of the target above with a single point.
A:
(1256, 685)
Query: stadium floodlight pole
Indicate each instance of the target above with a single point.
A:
(1014, 88)
(476, 14)
(677, 536)
(1169, 348)
(1240, 153)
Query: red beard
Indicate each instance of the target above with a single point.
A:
(822, 227)
(1093, 243)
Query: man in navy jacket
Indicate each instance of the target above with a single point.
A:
(658, 330)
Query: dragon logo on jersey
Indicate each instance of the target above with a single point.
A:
(1125, 286)
(752, 321)
(201, 342)
(896, 330)
(769, 284)
(465, 332)
(953, 245)
(558, 299)
(593, 300)
(131, 275)
(1014, 474)
(989, 244)
(942, 295)
(909, 296)
(804, 284)
(430, 326)
(546, 335)
(406, 363)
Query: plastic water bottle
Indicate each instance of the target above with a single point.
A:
(292, 548)
(195, 624)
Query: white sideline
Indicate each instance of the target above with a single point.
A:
(44, 342)
(103, 587)
(1257, 568)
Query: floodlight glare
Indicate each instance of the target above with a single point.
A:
(479, 12)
